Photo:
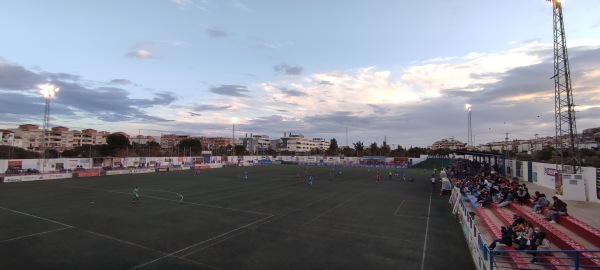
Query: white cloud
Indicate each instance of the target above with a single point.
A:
(468, 72)
(509, 88)
(238, 4)
(357, 90)
(182, 3)
(172, 42)
(352, 91)
(140, 53)
(185, 4)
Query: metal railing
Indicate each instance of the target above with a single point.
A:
(572, 259)
(503, 259)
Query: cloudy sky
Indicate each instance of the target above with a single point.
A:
(401, 70)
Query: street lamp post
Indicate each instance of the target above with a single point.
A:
(48, 91)
(233, 120)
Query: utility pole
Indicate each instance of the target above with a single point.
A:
(507, 153)
(347, 137)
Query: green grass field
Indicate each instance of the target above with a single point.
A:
(217, 220)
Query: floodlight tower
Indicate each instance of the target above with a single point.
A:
(48, 91)
(470, 129)
(564, 108)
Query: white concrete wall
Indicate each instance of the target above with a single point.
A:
(545, 177)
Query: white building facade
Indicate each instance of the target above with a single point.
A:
(299, 144)
(254, 144)
(57, 138)
(9, 139)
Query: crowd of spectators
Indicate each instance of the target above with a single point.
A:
(485, 181)
(11, 172)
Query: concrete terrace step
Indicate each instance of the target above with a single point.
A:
(507, 218)
(517, 261)
(579, 227)
(557, 237)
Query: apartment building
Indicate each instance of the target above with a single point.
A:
(141, 139)
(299, 144)
(448, 144)
(58, 138)
(255, 144)
(9, 139)
(214, 142)
(170, 141)
(533, 145)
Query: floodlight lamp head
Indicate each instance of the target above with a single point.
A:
(48, 90)
(555, 3)
(234, 120)
(468, 107)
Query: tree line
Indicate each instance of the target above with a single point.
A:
(119, 145)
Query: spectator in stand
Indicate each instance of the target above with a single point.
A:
(522, 195)
(558, 208)
(527, 195)
(506, 239)
(482, 195)
(540, 202)
(528, 229)
(523, 242)
(487, 184)
(518, 227)
(535, 241)
(489, 199)
(537, 196)
(518, 220)
(509, 198)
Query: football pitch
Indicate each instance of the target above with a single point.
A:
(218, 220)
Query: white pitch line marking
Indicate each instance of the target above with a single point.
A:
(169, 192)
(34, 234)
(395, 213)
(200, 243)
(333, 208)
(94, 233)
(426, 231)
(70, 226)
(270, 220)
(164, 199)
(23, 213)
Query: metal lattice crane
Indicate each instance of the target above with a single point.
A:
(564, 108)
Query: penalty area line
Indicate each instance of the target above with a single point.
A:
(67, 226)
(34, 216)
(200, 243)
(171, 200)
(396, 213)
(34, 234)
